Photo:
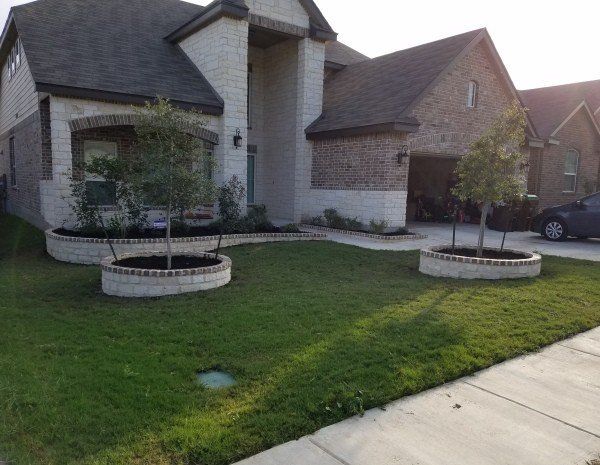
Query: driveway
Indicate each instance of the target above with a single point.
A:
(540, 409)
(467, 234)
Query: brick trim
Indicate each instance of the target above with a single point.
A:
(408, 237)
(433, 252)
(108, 265)
(441, 138)
(53, 235)
(101, 121)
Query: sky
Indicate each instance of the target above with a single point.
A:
(542, 42)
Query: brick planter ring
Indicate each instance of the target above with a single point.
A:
(136, 282)
(89, 251)
(435, 263)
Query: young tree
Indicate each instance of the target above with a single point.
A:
(493, 169)
(172, 168)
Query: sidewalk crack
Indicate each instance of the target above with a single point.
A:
(578, 350)
(533, 410)
(328, 452)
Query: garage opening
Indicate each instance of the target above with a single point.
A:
(430, 182)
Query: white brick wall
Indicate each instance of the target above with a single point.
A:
(220, 51)
(56, 194)
(289, 11)
(365, 205)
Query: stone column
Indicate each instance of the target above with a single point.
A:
(311, 59)
(220, 51)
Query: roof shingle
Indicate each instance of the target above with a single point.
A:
(113, 46)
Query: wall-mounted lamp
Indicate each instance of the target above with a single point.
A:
(403, 154)
(237, 139)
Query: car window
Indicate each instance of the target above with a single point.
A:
(592, 201)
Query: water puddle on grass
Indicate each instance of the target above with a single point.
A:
(214, 379)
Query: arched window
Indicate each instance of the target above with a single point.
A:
(472, 95)
(571, 165)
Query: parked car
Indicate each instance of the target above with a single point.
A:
(576, 219)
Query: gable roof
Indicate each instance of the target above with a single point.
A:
(112, 49)
(378, 92)
(319, 27)
(337, 53)
(549, 107)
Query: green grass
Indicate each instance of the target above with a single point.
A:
(313, 332)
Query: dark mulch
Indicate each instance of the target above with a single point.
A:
(179, 262)
(493, 254)
(192, 231)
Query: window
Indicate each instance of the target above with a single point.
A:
(14, 58)
(99, 191)
(249, 97)
(12, 162)
(250, 181)
(472, 96)
(571, 165)
(207, 162)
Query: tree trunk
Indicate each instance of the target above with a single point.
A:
(169, 252)
(484, 212)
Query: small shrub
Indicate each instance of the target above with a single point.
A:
(256, 220)
(353, 224)
(290, 228)
(333, 219)
(402, 231)
(317, 221)
(378, 227)
(230, 197)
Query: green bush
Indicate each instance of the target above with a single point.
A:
(256, 220)
(333, 219)
(290, 228)
(230, 197)
(353, 224)
(378, 227)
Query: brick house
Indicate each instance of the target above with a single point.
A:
(565, 163)
(322, 125)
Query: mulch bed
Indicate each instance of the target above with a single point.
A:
(491, 254)
(179, 262)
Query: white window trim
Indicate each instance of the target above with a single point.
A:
(571, 174)
(15, 58)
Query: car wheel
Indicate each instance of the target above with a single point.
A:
(554, 230)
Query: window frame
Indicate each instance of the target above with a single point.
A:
(99, 179)
(15, 58)
(472, 94)
(12, 160)
(574, 175)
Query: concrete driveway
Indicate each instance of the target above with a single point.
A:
(540, 409)
(467, 234)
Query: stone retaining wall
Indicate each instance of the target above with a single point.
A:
(87, 251)
(135, 282)
(378, 237)
(438, 264)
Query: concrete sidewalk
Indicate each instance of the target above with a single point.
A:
(540, 409)
(467, 234)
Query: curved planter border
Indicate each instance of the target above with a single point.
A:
(378, 237)
(136, 282)
(435, 263)
(89, 251)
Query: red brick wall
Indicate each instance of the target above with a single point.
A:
(579, 134)
(366, 162)
(447, 124)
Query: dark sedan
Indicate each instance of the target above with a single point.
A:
(576, 219)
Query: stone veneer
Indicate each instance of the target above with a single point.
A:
(435, 263)
(136, 282)
(89, 251)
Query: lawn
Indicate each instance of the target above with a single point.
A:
(313, 332)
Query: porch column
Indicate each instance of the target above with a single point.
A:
(311, 59)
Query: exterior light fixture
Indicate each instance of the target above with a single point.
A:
(403, 154)
(237, 139)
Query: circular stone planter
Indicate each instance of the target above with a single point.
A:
(439, 264)
(137, 282)
(90, 251)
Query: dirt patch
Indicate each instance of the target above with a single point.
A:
(179, 262)
(491, 254)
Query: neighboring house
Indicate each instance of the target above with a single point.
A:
(322, 125)
(565, 165)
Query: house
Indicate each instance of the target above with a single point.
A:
(565, 164)
(322, 125)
